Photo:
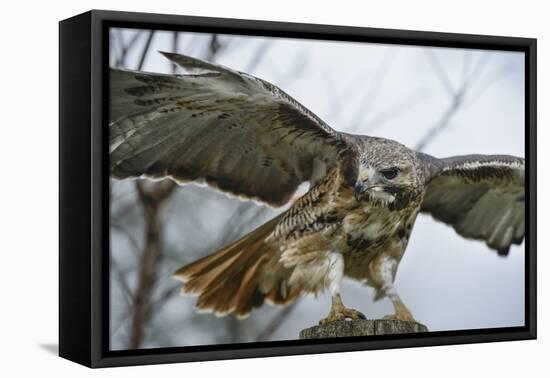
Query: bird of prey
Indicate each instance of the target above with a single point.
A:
(247, 138)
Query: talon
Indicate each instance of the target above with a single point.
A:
(342, 313)
(401, 313)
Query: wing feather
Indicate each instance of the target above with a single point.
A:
(239, 134)
(481, 196)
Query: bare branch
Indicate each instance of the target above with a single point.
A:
(164, 297)
(133, 242)
(258, 56)
(297, 67)
(373, 90)
(124, 48)
(478, 69)
(189, 47)
(175, 38)
(213, 47)
(466, 63)
(456, 102)
(121, 278)
(397, 109)
(441, 124)
(152, 197)
(152, 200)
(490, 80)
(145, 50)
(274, 325)
(332, 89)
(441, 74)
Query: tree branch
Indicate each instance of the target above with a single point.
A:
(124, 48)
(457, 98)
(274, 325)
(258, 56)
(145, 50)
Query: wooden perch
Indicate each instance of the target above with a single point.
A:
(361, 328)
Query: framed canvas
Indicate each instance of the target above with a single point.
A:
(234, 188)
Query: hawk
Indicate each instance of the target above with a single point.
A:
(247, 138)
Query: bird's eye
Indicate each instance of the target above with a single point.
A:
(390, 173)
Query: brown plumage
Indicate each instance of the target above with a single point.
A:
(247, 138)
(230, 280)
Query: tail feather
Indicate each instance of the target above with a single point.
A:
(232, 280)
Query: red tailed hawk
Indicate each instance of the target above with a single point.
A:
(248, 138)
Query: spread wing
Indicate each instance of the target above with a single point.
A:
(481, 197)
(239, 134)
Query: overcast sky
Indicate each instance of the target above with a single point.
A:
(396, 92)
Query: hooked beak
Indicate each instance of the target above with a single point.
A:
(359, 190)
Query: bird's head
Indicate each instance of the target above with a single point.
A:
(388, 174)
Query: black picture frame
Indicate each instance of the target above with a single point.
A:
(83, 181)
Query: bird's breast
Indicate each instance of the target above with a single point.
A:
(370, 222)
(368, 226)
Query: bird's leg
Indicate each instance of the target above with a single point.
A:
(401, 311)
(340, 312)
(383, 269)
